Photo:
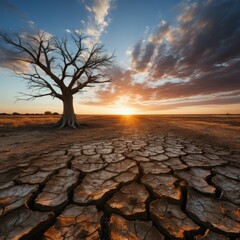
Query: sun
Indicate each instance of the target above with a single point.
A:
(124, 110)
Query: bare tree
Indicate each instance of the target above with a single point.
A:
(60, 67)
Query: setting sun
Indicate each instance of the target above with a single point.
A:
(124, 111)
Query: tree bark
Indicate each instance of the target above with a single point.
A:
(68, 117)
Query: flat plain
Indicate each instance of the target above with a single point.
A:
(120, 177)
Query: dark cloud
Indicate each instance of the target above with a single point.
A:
(160, 33)
(207, 83)
(10, 59)
(210, 102)
(142, 61)
(207, 35)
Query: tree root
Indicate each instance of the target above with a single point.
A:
(67, 122)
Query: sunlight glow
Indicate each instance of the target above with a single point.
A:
(124, 110)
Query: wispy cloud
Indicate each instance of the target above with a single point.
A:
(98, 20)
(101, 10)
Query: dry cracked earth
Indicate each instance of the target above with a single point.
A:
(139, 187)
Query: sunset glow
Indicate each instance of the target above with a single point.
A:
(124, 110)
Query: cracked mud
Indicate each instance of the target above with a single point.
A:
(140, 187)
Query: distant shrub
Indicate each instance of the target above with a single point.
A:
(48, 113)
(55, 113)
(16, 113)
(3, 114)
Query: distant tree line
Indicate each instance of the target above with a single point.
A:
(45, 113)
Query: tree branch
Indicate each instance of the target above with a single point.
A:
(32, 96)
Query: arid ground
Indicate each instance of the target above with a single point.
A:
(28, 138)
(121, 177)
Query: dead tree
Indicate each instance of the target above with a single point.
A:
(59, 67)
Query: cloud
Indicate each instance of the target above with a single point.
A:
(88, 8)
(98, 20)
(161, 32)
(8, 59)
(198, 57)
(141, 57)
(31, 24)
(206, 35)
(101, 9)
(156, 106)
(120, 86)
(123, 90)
(13, 58)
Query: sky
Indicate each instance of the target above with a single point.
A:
(171, 57)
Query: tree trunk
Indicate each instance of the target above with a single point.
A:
(68, 118)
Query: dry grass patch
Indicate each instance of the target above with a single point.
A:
(11, 121)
